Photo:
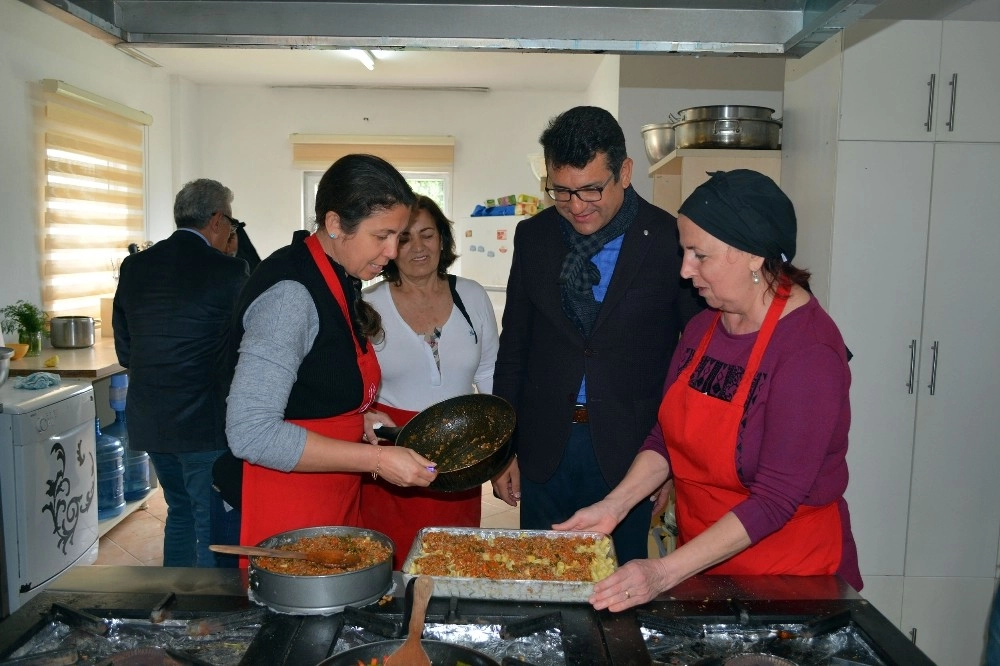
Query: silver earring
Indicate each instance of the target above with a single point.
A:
(331, 234)
(756, 277)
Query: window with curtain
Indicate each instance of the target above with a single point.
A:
(93, 195)
(425, 161)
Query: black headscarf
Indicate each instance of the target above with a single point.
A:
(747, 210)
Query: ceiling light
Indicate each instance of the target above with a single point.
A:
(363, 56)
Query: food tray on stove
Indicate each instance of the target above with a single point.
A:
(520, 589)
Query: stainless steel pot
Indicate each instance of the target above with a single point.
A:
(5, 354)
(723, 111)
(71, 332)
(728, 133)
(659, 140)
(319, 595)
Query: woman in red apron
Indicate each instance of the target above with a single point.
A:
(306, 375)
(753, 426)
(437, 345)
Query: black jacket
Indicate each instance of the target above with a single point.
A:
(543, 356)
(172, 309)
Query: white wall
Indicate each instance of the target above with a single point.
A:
(34, 46)
(244, 141)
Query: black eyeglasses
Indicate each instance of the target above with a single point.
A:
(588, 194)
(234, 223)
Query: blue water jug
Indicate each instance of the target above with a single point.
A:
(136, 463)
(110, 475)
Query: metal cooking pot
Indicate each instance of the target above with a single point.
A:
(659, 140)
(468, 436)
(723, 111)
(441, 654)
(71, 332)
(728, 133)
(5, 355)
(323, 594)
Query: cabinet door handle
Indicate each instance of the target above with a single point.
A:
(933, 384)
(913, 635)
(913, 365)
(930, 104)
(954, 94)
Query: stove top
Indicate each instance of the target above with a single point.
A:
(707, 621)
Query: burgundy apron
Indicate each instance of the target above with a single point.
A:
(400, 513)
(701, 433)
(275, 501)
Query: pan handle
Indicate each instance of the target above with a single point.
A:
(387, 432)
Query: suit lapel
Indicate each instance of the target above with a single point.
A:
(635, 245)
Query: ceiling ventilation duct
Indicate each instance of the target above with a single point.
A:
(750, 27)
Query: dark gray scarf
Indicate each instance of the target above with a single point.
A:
(579, 274)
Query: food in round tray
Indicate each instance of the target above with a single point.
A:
(369, 551)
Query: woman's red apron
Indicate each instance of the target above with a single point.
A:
(701, 433)
(400, 513)
(275, 501)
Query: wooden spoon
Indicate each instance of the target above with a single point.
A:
(411, 652)
(328, 558)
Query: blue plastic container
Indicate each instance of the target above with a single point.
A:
(110, 475)
(136, 463)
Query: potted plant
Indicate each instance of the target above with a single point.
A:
(29, 322)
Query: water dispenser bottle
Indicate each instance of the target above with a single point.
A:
(110, 475)
(136, 462)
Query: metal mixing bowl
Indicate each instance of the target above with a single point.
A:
(659, 140)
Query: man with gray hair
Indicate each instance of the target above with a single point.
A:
(171, 314)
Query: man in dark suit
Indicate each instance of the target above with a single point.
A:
(171, 312)
(595, 305)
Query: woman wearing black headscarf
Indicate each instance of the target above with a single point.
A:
(754, 421)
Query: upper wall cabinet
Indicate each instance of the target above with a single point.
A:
(921, 81)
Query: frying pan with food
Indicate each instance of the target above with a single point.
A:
(468, 436)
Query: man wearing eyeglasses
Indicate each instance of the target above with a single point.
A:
(595, 305)
(172, 310)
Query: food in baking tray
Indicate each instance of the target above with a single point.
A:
(369, 551)
(550, 557)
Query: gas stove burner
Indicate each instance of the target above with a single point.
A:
(758, 660)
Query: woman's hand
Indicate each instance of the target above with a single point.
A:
(634, 583)
(375, 419)
(600, 517)
(401, 466)
(507, 485)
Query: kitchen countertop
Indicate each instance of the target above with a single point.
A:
(94, 362)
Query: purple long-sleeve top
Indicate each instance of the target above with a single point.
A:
(792, 444)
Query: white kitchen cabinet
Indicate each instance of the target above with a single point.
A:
(955, 495)
(876, 297)
(921, 81)
(902, 237)
(949, 615)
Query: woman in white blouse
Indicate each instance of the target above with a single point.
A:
(440, 342)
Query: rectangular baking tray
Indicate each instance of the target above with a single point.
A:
(505, 590)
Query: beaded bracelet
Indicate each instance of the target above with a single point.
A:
(378, 462)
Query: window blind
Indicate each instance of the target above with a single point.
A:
(411, 153)
(94, 195)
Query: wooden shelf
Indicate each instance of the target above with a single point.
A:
(677, 175)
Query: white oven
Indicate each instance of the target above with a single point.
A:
(48, 486)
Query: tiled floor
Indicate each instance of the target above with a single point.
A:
(138, 539)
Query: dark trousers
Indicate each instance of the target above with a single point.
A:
(577, 483)
(225, 530)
